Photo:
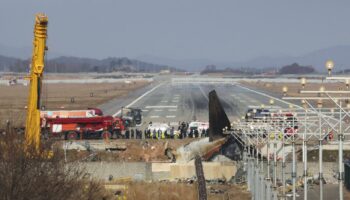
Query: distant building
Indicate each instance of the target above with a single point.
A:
(165, 71)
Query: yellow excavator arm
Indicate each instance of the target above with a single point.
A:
(32, 131)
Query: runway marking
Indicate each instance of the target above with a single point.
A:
(138, 99)
(157, 110)
(236, 96)
(154, 116)
(254, 101)
(245, 98)
(205, 95)
(161, 107)
(172, 110)
(170, 116)
(269, 96)
(175, 101)
(145, 110)
(174, 123)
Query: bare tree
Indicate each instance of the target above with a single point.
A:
(25, 174)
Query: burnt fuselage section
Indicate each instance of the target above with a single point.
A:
(218, 122)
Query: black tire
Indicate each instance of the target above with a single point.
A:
(106, 134)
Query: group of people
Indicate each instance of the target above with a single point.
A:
(183, 131)
(175, 134)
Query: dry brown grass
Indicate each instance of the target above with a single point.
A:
(180, 191)
(13, 99)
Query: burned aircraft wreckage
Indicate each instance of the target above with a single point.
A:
(221, 141)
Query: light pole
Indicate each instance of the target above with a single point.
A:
(305, 157)
(329, 66)
(303, 82)
(332, 125)
(347, 83)
(285, 90)
(271, 102)
(320, 153)
(340, 140)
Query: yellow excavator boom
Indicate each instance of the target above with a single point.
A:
(32, 131)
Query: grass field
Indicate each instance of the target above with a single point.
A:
(13, 99)
(175, 191)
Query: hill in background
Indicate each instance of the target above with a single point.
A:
(75, 64)
(13, 59)
(316, 59)
(295, 68)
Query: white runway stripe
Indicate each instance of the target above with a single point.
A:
(161, 107)
(170, 116)
(154, 116)
(140, 97)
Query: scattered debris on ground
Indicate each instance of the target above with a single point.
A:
(123, 150)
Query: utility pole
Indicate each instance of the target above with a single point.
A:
(305, 157)
(202, 190)
(340, 155)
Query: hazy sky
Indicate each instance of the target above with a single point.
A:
(220, 30)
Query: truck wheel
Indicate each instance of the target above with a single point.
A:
(45, 134)
(106, 134)
(72, 135)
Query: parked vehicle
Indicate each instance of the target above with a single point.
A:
(81, 124)
(199, 126)
(132, 116)
(254, 114)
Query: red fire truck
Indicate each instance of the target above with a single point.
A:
(82, 127)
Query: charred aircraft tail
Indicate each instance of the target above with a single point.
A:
(218, 119)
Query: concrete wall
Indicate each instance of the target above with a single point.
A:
(212, 170)
(169, 171)
(158, 171)
(135, 170)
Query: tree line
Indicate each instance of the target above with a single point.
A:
(76, 65)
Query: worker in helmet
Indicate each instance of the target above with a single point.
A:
(159, 134)
(172, 132)
(154, 134)
(163, 134)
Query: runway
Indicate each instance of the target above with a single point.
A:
(173, 103)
